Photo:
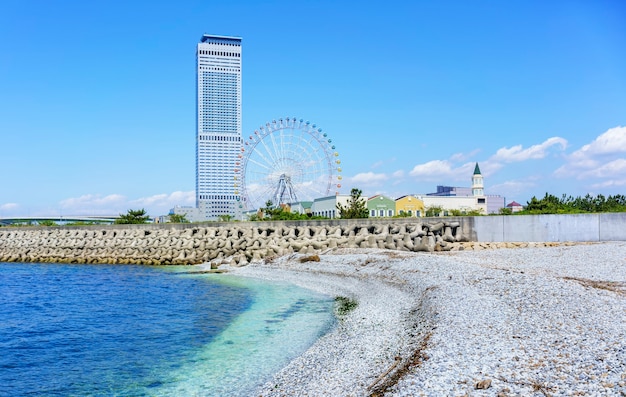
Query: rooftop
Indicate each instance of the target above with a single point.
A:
(211, 37)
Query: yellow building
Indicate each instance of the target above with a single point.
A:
(410, 205)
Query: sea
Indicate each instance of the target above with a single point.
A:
(118, 330)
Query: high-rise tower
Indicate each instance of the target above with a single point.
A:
(218, 120)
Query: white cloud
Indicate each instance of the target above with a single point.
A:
(458, 157)
(92, 204)
(167, 200)
(611, 141)
(114, 204)
(609, 184)
(602, 158)
(151, 200)
(608, 170)
(518, 153)
(574, 168)
(188, 197)
(512, 190)
(9, 207)
(432, 170)
(441, 170)
(377, 164)
(489, 167)
(381, 163)
(368, 178)
(397, 177)
(398, 174)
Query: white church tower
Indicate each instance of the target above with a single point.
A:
(478, 190)
(478, 187)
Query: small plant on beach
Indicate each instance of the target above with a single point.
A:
(344, 305)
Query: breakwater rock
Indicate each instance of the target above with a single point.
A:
(233, 243)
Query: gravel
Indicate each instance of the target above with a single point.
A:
(545, 321)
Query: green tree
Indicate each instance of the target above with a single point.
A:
(355, 208)
(280, 213)
(47, 222)
(505, 211)
(133, 217)
(178, 218)
(474, 212)
(551, 204)
(268, 211)
(434, 210)
(225, 218)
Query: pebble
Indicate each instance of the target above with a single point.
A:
(524, 321)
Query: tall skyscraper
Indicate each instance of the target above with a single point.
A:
(218, 132)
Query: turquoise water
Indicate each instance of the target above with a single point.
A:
(80, 330)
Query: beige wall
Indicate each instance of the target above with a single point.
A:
(462, 203)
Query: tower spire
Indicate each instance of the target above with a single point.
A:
(478, 188)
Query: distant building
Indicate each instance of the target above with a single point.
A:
(494, 203)
(514, 206)
(447, 191)
(381, 206)
(478, 184)
(449, 203)
(190, 213)
(327, 206)
(218, 121)
(410, 205)
(301, 207)
(465, 198)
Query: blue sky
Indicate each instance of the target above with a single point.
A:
(97, 100)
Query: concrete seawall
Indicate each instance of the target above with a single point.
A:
(240, 243)
(574, 227)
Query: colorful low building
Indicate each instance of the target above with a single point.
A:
(410, 205)
(380, 206)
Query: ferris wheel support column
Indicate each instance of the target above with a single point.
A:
(285, 193)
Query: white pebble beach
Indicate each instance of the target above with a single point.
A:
(547, 321)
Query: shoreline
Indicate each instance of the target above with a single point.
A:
(503, 322)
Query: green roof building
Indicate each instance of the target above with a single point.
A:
(381, 206)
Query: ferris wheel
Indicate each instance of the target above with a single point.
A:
(288, 161)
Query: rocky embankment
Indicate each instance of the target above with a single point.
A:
(238, 244)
